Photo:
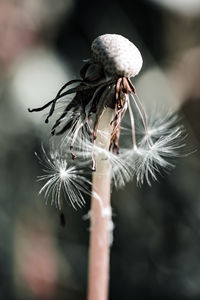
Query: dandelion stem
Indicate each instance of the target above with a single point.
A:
(101, 218)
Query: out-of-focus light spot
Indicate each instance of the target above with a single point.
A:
(186, 7)
(36, 264)
(154, 89)
(36, 79)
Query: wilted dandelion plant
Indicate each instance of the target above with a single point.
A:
(90, 128)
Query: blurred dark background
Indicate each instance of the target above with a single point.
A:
(156, 248)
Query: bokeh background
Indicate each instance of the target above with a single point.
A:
(156, 248)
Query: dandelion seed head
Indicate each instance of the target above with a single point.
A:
(104, 86)
(117, 54)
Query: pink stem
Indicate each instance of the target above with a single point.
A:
(99, 243)
(101, 219)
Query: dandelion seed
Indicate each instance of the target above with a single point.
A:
(166, 139)
(63, 179)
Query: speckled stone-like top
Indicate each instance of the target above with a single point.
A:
(117, 54)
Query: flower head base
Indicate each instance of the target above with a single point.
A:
(105, 83)
(117, 54)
